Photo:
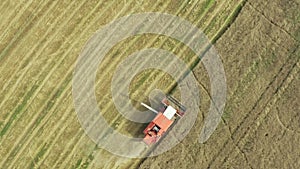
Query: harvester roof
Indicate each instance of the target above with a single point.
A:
(162, 121)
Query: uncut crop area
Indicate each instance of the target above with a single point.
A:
(258, 42)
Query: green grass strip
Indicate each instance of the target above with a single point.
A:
(18, 110)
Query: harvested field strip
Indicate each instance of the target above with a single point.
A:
(44, 112)
(270, 91)
(59, 126)
(38, 156)
(37, 50)
(49, 72)
(41, 74)
(68, 74)
(223, 29)
(219, 17)
(16, 83)
(192, 62)
(7, 15)
(17, 111)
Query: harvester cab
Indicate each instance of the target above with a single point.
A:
(163, 120)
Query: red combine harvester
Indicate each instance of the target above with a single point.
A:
(163, 120)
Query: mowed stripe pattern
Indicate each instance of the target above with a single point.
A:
(40, 41)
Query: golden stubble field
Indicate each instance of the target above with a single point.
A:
(258, 43)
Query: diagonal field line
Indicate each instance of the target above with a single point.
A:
(290, 80)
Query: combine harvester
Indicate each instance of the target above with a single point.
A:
(164, 119)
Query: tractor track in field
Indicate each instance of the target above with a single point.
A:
(285, 86)
(244, 86)
(283, 74)
(248, 76)
(273, 23)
